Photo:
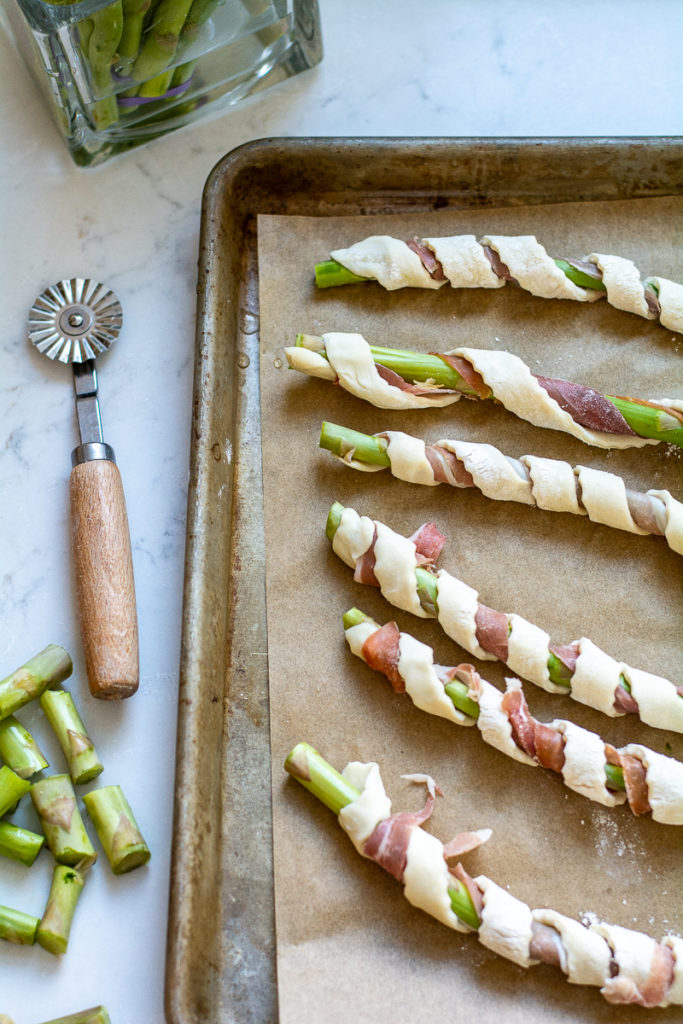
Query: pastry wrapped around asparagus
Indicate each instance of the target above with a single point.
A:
(549, 484)
(398, 379)
(465, 262)
(403, 569)
(628, 966)
(650, 782)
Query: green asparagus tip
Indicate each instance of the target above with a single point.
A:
(333, 520)
(329, 274)
(366, 448)
(308, 767)
(353, 617)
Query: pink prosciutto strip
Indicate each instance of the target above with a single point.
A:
(388, 844)
(428, 259)
(428, 541)
(622, 990)
(586, 406)
(381, 652)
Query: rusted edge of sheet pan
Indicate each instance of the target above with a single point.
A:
(221, 965)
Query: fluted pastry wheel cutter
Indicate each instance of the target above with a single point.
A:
(72, 322)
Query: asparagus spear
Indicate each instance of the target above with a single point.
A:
(95, 1015)
(444, 382)
(17, 927)
(545, 483)
(117, 829)
(55, 925)
(12, 788)
(19, 750)
(55, 801)
(46, 669)
(628, 966)
(78, 748)
(161, 41)
(100, 37)
(19, 844)
(331, 274)
(134, 12)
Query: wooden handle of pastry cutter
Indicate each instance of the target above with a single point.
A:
(104, 579)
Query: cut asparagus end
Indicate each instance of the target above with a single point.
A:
(55, 925)
(351, 444)
(17, 927)
(330, 274)
(333, 520)
(308, 767)
(19, 750)
(78, 748)
(12, 788)
(19, 844)
(117, 829)
(48, 668)
(55, 801)
(354, 616)
(95, 1015)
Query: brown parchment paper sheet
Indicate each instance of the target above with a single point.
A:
(350, 948)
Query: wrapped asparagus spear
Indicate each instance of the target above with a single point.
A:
(651, 782)
(48, 668)
(19, 844)
(403, 569)
(628, 966)
(55, 801)
(78, 748)
(464, 262)
(397, 379)
(548, 484)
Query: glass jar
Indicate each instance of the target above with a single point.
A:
(119, 72)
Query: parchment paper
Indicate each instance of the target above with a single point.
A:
(350, 948)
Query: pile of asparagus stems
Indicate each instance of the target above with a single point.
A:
(137, 43)
(55, 802)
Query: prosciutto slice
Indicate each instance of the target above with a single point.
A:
(586, 406)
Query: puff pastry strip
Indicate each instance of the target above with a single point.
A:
(463, 261)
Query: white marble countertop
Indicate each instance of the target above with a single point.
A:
(393, 68)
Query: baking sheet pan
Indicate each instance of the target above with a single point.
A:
(221, 963)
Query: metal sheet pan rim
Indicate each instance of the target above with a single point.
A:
(253, 179)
